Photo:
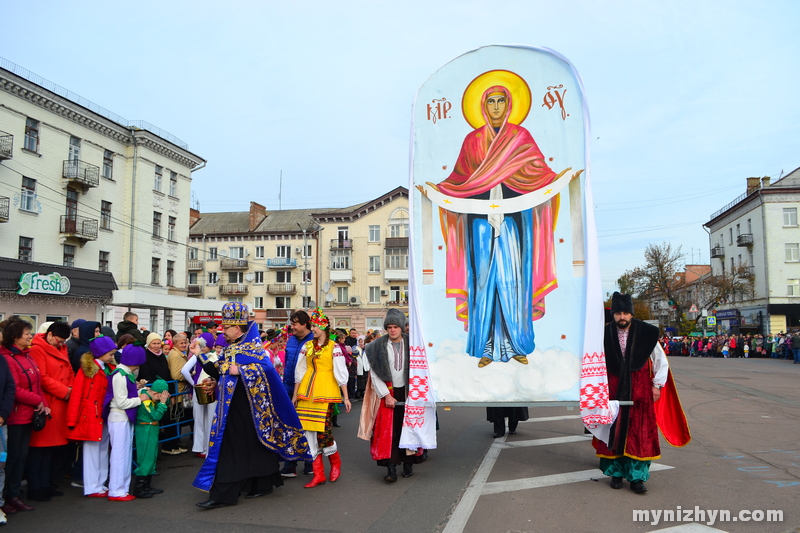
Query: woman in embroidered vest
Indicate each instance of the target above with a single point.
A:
(85, 413)
(202, 352)
(320, 382)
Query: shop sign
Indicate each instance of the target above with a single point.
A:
(727, 313)
(53, 283)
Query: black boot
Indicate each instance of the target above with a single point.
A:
(391, 476)
(408, 469)
(336, 421)
(148, 479)
(140, 488)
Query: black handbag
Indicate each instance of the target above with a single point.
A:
(39, 419)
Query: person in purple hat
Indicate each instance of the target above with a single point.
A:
(202, 352)
(122, 399)
(220, 343)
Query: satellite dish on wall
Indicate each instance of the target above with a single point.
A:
(313, 304)
(250, 277)
(329, 297)
(222, 253)
(326, 286)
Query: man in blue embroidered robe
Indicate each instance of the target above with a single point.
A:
(255, 425)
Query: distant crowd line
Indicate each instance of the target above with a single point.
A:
(778, 346)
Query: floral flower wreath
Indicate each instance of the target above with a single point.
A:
(319, 319)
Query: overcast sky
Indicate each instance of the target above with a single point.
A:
(686, 98)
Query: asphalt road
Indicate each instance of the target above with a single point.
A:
(745, 455)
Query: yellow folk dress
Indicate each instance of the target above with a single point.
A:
(319, 386)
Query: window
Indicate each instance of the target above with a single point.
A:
(733, 265)
(340, 259)
(394, 293)
(156, 224)
(192, 278)
(306, 276)
(283, 251)
(374, 295)
(397, 258)
(105, 215)
(102, 265)
(173, 183)
(730, 235)
(69, 255)
(236, 252)
(738, 230)
(236, 277)
(25, 249)
(157, 178)
(398, 230)
(171, 228)
(374, 264)
(212, 278)
(212, 253)
(343, 233)
(72, 204)
(259, 279)
(193, 253)
(27, 200)
(155, 271)
(342, 295)
(74, 149)
(283, 276)
(374, 234)
(306, 302)
(792, 251)
(32, 135)
(283, 302)
(259, 252)
(306, 250)
(170, 273)
(793, 287)
(108, 165)
(749, 226)
(789, 217)
(258, 302)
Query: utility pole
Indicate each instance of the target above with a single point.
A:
(305, 263)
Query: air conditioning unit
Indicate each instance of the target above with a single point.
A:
(355, 300)
(327, 304)
(252, 314)
(384, 293)
(297, 250)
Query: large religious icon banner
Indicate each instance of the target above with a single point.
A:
(504, 275)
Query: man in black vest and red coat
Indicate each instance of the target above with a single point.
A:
(637, 371)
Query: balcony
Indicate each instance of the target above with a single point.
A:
(745, 239)
(234, 264)
(6, 145)
(747, 272)
(279, 313)
(281, 262)
(397, 303)
(341, 244)
(396, 242)
(194, 264)
(81, 228)
(341, 275)
(395, 274)
(234, 289)
(717, 251)
(194, 290)
(282, 288)
(4, 203)
(82, 173)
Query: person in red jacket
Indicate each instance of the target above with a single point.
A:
(49, 350)
(85, 413)
(28, 399)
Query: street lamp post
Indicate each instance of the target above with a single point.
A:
(305, 264)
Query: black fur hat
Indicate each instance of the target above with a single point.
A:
(621, 303)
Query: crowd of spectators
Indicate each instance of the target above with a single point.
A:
(778, 346)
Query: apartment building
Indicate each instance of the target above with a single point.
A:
(759, 231)
(351, 261)
(88, 194)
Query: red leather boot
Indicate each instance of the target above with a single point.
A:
(336, 466)
(319, 473)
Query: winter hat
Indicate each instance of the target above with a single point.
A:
(208, 338)
(133, 355)
(77, 323)
(101, 345)
(394, 317)
(621, 303)
(152, 337)
(220, 341)
(159, 385)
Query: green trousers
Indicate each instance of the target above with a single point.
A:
(146, 448)
(630, 469)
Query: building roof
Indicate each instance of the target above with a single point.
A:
(84, 283)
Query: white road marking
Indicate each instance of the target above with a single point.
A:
(694, 527)
(550, 418)
(542, 442)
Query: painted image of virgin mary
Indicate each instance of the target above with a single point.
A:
(500, 266)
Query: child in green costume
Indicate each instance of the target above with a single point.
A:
(146, 434)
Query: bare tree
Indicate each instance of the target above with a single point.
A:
(660, 276)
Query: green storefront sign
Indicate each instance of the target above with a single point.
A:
(53, 283)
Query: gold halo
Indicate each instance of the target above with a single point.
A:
(520, 96)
